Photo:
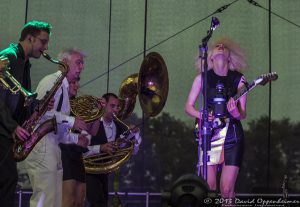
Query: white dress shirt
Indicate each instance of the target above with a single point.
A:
(63, 118)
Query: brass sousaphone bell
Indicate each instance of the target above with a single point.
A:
(151, 85)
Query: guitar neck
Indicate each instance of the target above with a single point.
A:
(244, 91)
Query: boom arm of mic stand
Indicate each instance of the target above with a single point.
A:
(209, 32)
(206, 39)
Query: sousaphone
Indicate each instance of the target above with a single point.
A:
(151, 86)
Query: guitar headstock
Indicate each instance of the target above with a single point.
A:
(265, 78)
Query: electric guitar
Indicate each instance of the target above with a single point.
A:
(261, 80)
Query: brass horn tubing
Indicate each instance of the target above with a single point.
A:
(104, 154)
(113, 160)
(100, 156)
(96, 168)
(93, 161)
(5, 84)
(104, 164)
(117, 119)
(83, 108)
(106, 157)
(17, 86)
(103, 157)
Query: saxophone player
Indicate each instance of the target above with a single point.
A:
(44, 165)
(5, 116)
(33, 40)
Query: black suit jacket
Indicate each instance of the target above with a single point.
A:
(12, 111)
(101, 138)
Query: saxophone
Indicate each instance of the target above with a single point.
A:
(21, 149)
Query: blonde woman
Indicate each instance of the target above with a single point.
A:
(225, 60)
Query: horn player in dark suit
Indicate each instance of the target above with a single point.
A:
(104, 132)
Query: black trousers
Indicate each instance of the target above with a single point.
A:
(97, 190)
(8, 174)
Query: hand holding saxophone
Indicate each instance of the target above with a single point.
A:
(20, 133)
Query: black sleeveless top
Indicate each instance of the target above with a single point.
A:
(230, 82)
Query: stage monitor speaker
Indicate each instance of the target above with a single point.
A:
(189, 190)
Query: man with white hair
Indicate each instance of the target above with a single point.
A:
(44, 164)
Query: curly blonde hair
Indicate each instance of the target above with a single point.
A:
(237, 58)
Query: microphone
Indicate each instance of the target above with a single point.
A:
(214, 23)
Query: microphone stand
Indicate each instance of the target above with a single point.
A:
(205, 131)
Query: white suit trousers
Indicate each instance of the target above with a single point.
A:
(45, 172)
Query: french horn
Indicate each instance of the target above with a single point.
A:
(86, 107)
(105, 163)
